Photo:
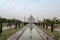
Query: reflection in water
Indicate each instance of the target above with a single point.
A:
(30, 36)
(30, 27)
(27, 35)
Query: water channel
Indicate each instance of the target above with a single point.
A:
(30, 35)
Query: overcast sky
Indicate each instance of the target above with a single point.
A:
(20, 8)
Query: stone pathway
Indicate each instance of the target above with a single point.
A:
(55, 29)
(17, 35)
(20, 32)
(43, 34)
(6, 28)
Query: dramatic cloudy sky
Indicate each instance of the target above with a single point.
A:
(20, 8)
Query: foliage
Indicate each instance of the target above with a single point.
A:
(7, 33)
(9, 20)
(54, 34)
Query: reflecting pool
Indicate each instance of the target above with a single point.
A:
(27, 35)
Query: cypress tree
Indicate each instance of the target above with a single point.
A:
(0, 27)
(52, 24)
(16, 25)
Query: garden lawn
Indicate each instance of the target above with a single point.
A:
(7, 33)
(4, 24)
(56, 35)
(58, 25)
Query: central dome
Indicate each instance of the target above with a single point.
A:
(31, 19)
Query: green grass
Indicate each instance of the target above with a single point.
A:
(56, 35)
(7, 33)
(4, 24)
(58, 25)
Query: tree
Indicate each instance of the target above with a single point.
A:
(43, 23)
(16, 25)
(0, 27)
(48, 22)
(19, 23)
(39, 22)
(46, 25)
(58, 21)
(52, 24)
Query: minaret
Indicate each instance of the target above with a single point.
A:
(24, 20)
(37, 18)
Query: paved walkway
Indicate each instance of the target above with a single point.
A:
(17, 35)
(26, 35)
(6, 28)
(43, 34)
(55, 29)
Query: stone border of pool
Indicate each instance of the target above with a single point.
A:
(39, 34)
(17, 35)
(21, 34)
(44, 35)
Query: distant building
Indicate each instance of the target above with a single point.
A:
(31, 19)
